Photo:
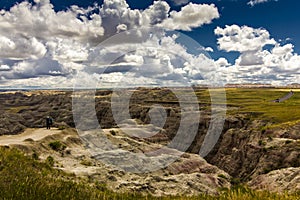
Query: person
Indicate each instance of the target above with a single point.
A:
(48, 122)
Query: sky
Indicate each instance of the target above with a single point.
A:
(113, 43)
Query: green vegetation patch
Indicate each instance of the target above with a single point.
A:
(24, 178)
(57, 146)
(257, 103)
(260, 101)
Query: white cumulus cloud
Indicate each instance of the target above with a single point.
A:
(4, 68)
(191, 16)
(39, 43)
(278, 65)
(242, 39)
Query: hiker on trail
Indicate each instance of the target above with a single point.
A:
(48, 122)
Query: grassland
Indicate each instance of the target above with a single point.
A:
(25, 177)
(257, 103)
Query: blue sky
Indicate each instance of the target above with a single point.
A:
(274, 52)
(280, 18)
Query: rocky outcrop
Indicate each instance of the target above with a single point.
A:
(187, 175)
(248, 152)
(282, 180)
(24, 110)
(11, 123)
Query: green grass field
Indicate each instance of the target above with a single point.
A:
(258, 104)
(24, 177)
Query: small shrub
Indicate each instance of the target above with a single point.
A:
(57, 146)
(86, 162)
(68, 151)
(267, 170)
(1, 166)
(112, 178)
(261, 143)
(50, 161)
(185, 155)
(222, 176)
(61, 128)
(235, 181)
(35, 156)
(101, 186)
(270, 138)
(288, 141)
(28, 140)
(113, 132)
(272, 148)
(263, 129)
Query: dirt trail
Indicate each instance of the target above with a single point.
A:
(35, 134)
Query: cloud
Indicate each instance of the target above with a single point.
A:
(222, 62)
(278, 65)
(117, 16)
(191, 16)
(4, 68)
(180, 2)
(242, 39)
(209, 49)
(41, 46)
(283, 58)
(67, 49)
(40, 20)
(154, 61)
(35, 68)
(157, 12)
(21, 48)
(39, 43)
(250, 58)
(255, 2)
(38, 82)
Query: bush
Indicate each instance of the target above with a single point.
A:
(270, 138)
(101, 186)
(113, 132)
(35, 156)
(222, 176)
(57, 146)
(235, 181)
(261, 143)
(61, 128)
(50, 161)
(68, 152)
(288, 141)
(86, 162)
